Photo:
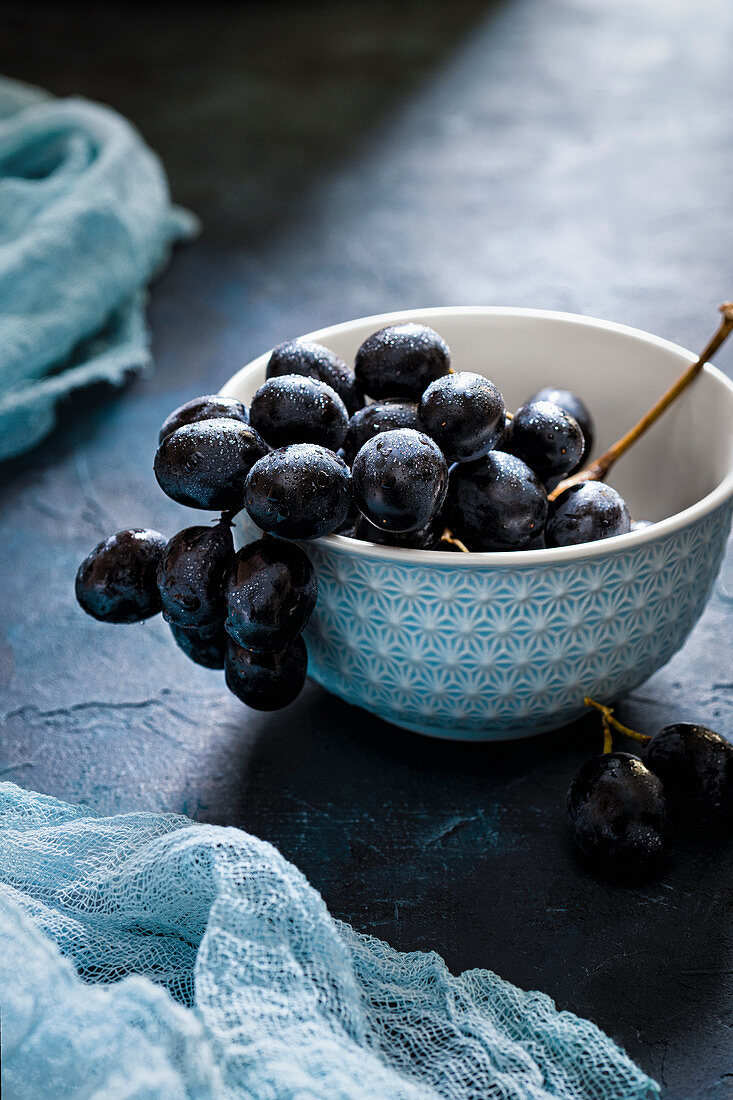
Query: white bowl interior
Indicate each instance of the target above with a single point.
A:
(619, 373)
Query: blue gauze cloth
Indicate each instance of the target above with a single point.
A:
(147, 956)
(85, 223)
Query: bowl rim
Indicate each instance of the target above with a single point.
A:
(515, 558)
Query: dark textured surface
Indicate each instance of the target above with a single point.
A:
(346, 159)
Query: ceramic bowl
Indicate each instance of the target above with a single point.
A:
(494, 646)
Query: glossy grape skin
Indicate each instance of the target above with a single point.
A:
(537, 543)
(401, 361)
(209, 407)
(577, 408)
(204, 646)
(204, 465)
(400, 479)
(270, 592)
(496, 503)
(190, 575)
(425, 538)
(696, 767)
(116, 582)
(618, 814)
(266, 681)
(294, 409)
(504, 440)
(385, 416)
(547, 438)
(299, 492)
(587, 513)
(464, 413)
(313, 360)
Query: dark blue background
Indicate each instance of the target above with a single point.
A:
(346, 159)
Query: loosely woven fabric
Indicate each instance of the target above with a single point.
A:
(85, 223)
(147, 956)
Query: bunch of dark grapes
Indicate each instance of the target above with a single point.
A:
(624, 807)
(309, 458)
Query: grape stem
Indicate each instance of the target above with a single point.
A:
(607, 735)
(451, 539)
(611, 722)
(598, 470)
(229, 516)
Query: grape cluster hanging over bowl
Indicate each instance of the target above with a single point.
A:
(407, 453)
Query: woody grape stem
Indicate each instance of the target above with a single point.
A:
(609, 719)
(598, 470)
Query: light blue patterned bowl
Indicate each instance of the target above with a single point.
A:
(495, 646)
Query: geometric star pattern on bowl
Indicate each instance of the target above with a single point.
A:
(505, 651)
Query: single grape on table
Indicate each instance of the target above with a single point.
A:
(618, 814)
(696, 766)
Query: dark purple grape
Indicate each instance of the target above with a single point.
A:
(464, 413)
(401, 361)
(547, 438)
(270, 592)
(374, 419)
(496, 503)
(205, 646)
(266, 681)
(618, 814)
(425, 538)
(299, 492)
(586, 513)
(209, 407)
(314, 361)
(116, 582)
(572, 404)
(504, 442)
(191, 572)
(294, 409)
(537, 543)
(696, 767)
(349, 520)
(204, 465)
(400, 480)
